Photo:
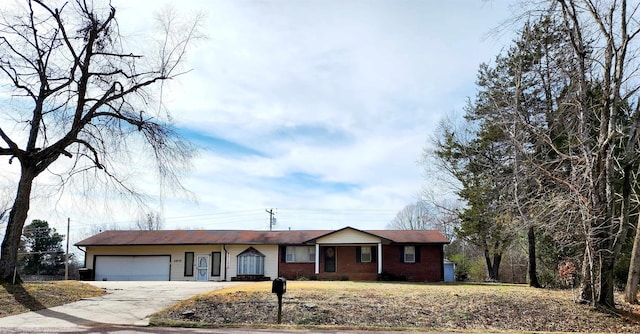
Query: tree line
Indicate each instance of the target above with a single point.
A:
(548, 151)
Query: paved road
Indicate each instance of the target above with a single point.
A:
(157, 330)
(126, 303)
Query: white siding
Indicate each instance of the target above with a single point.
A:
(175, 251)
(177, 257)
(349, 236)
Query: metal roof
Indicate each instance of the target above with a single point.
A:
(206, 237)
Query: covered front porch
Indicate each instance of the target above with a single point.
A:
(348, 262)
(348, 254)
(351, 254)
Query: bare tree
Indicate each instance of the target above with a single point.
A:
(150, 221)
(78, 93)
(604, 41)
(415, 216)
(427, 215)
(582, 124)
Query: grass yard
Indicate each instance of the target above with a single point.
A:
(15, 299)
(394, 306)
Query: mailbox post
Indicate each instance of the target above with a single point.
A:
(279, 287)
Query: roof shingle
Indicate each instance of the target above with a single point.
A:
(205, 237)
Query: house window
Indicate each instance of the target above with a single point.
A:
(216, 261)
(188, 264)
(301, 254)
(251, 262)
(409, 254)
(365, 254)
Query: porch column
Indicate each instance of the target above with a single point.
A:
(317, 259)
(379, 258)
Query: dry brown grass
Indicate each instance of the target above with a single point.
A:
(399, 306)
(26, 297)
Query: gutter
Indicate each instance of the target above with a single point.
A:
(224, 247)
(85, 255)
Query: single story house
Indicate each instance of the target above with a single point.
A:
(226, 255)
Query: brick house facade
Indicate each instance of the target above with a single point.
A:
(350, 254)
(221, 255)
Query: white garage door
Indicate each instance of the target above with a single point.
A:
(132, 268)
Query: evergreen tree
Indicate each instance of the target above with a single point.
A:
(43, 249)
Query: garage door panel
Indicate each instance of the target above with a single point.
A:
(132, 268)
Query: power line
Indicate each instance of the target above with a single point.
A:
(251, 216)
(272, 219)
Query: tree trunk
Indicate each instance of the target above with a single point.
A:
(487, 260)
(607, 283)
(533, 275)
(497, 258)
(586, 282)
(631, 290)
(13, 232)
(493, 268)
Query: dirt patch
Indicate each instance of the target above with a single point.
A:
(397, 306)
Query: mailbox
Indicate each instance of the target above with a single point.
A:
(279, 286)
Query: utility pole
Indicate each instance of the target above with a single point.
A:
(66, 254)
(272, 219)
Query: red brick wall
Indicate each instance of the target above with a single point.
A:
(348, 266)
(296, 270)
(428, 269)
(293, 270)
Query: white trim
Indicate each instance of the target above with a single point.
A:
(348, 236)
(317, 259)
(380, 258)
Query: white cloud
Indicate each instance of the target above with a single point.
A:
(338, 96)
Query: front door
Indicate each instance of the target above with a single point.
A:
(202, 268)
(330, 259)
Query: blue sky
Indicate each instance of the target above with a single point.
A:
(320, 109)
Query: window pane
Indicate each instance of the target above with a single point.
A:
(291, 256)
(409, 254)
(250, 265)
(365, 254)
(188, 264)
(241, 265)
(301, 253)
(312, 253)
(216, 262)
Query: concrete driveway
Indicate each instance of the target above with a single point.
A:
(126, 303)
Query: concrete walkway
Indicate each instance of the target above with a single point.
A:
(126, 303)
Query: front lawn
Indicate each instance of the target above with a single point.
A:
(400, 306)
(27, 297)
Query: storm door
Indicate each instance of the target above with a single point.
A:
(330, 259)
(202, 268)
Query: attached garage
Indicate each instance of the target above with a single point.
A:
(132, 267)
